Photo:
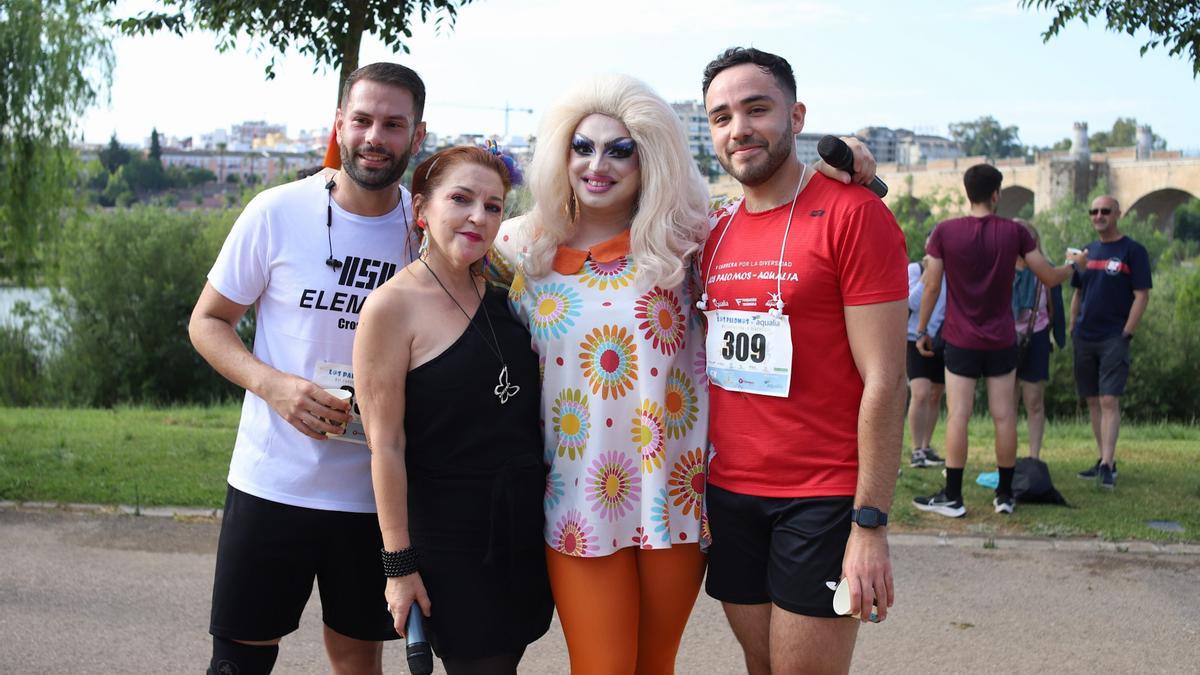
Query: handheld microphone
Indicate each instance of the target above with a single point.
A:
(420, 657)
(837, 154)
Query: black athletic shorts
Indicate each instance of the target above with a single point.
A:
(977, 363)
(267, 557)
(776, 549)
(1101, 368)
(932, 368)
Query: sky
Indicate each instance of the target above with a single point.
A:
(919, 65)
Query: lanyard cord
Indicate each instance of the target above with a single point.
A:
(775, 302)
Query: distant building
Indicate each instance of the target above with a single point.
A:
(905, 147)
(882, 141)
(806, 146)
(695, 126)
(922, 148)
(266, 166)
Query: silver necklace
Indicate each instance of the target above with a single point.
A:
(503, 390)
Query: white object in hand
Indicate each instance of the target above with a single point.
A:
(841, 601)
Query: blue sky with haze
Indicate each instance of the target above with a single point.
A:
(919, 65)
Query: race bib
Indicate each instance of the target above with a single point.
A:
(750, 352)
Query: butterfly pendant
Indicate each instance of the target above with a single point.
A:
(504, 390)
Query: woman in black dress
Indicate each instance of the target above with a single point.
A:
(448, 390)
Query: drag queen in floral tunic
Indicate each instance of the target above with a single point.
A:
(601, 273)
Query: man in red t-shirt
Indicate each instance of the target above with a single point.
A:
(805, 287)
(977, 255)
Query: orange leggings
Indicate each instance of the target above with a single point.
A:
(625, 613)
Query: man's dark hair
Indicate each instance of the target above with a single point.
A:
(392, 74)
(775, 66)
(982, 181)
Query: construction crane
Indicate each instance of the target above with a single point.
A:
(506, 108)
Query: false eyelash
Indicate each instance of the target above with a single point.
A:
(622, 148)
(582, 146)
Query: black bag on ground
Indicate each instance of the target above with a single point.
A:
(1032, 484)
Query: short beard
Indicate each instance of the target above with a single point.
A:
(755, 175)
(374, 179)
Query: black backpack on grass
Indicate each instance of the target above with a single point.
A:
(1032, 484)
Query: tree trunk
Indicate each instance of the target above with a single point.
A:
(355, 26)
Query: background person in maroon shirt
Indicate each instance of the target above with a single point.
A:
(976, 254)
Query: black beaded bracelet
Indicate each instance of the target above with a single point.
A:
(399, 563)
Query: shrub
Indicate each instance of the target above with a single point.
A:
(21, 382)
(128, 281)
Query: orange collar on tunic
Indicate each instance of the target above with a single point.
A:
(569, 260)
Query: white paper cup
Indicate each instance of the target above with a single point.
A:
(341, 395)
(841, 601)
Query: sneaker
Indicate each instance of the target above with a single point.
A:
(933, 459)
(941, 505)
(1108, 477)
(1004, 504)
(1094, 470)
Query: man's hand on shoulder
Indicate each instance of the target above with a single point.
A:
(864, 164)
(867, 566)
(305, 406)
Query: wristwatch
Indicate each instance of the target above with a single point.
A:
(868, 517)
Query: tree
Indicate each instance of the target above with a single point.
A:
(114, 156)
(1173, 23)
(1123, 135)
(155, 147)
(55, 62)
(330, 33)
(986, 137)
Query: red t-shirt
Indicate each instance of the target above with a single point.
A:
(844, 248)
(980, 255)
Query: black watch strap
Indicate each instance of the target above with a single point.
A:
(869, 517)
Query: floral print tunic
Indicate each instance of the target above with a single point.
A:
(624, 398)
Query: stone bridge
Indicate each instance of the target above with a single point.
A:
(1152, 185)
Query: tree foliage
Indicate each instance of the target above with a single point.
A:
(55, 62)
(155, 153)
(1122, 135)
(986, 137)
(1174, 24)
(329, 32)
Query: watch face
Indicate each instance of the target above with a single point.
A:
(867, 517)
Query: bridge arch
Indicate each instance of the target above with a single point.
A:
(1160, 205)
(1015, 199)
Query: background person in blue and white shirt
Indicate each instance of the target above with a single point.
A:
(926, 374)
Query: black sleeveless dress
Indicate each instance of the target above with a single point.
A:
(476, 479)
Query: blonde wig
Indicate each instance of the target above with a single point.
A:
(670, 220)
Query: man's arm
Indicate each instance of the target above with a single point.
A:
(1048, 274)
(213, 332)
(1141, 298)
(876, 334)
(934, 267)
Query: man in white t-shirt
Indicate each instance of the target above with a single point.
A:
(300, 505)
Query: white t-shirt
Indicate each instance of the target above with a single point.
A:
(274, 259)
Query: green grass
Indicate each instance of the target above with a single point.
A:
(1158, 479)
(125, 455)
(180, 456)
